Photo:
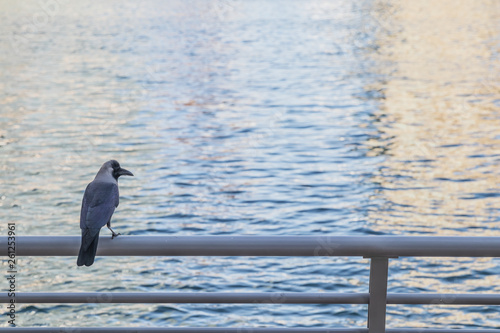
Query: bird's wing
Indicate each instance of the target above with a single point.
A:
(99, 203)
(85, 207)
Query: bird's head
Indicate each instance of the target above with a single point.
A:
(113, 169)
(118, 171)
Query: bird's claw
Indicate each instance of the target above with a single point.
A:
(115, 235)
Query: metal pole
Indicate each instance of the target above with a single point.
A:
(378, 294)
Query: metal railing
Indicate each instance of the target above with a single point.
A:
(379, 249)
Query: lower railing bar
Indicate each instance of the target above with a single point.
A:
(182, 330)
(232, 330)
(449, 299)
(439, 330)
(183, 297)
(248, 298)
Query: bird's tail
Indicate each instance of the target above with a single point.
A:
(90, 238)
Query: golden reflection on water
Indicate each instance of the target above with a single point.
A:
(438, 130)
(439, 125)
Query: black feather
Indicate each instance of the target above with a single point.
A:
(88, 248)
(98, 205)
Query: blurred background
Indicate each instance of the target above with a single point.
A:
(253, 117)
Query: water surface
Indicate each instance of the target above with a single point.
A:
(253, 117)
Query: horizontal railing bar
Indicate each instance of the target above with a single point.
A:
(233, 330)
(184, 330)
(445, 299)
(439, 330)
(251, 298)
(366, 246)
(182, 297)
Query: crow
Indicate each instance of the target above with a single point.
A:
(100, 199)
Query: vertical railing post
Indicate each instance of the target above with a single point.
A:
(378, 294)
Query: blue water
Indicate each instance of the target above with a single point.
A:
(253, 117)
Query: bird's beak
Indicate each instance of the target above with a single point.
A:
(124, 172)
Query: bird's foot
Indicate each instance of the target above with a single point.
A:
(115, 235)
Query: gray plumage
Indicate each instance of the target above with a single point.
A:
(100, 199)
